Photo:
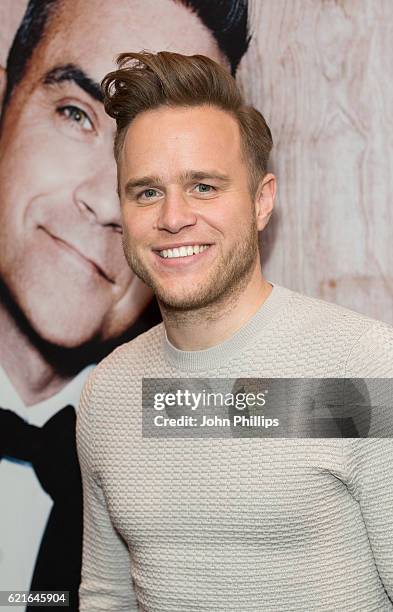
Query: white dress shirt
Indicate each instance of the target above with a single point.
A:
(25, 506)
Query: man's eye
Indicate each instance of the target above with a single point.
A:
(148, 194)
(76, 115)
(203, 188)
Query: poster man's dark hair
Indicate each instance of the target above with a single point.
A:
(226, 19)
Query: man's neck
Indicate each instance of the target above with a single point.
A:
(206, 327)
(33, 376)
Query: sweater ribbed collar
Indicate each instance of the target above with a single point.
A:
(215, 356)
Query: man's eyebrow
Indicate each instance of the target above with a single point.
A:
(143, 181)
(70, 72)
(200, 175)
(188, 175)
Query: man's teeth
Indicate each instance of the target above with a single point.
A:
(184, 251)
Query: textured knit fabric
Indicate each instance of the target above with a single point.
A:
(245, 525)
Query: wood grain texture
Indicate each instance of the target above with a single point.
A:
(11, 12)
(321, 73)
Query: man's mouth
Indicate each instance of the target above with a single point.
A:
(92, 264)
(187, 250)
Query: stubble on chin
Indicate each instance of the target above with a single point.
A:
(222, 284)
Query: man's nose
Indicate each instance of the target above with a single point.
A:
(175, 212)
(97, 197)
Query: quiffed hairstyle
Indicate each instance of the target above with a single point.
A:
(147, 81)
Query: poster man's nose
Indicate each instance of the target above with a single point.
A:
(97, 198)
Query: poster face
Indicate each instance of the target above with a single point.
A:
(68, 295)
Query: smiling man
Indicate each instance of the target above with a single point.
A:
(235, 524)
(67, 293)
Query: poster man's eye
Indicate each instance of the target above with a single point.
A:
(77, 116)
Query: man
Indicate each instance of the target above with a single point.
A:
(279, 524)
(67, 292)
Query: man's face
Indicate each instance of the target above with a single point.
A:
(60, 230)
(184, 184)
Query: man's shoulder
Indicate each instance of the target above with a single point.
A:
(322, 312)
(368, 342)
(130, 358)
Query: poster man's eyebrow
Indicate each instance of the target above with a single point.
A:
(70, 72)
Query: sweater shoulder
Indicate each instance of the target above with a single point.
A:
(319, 312)
(367, 342)
(131, 357)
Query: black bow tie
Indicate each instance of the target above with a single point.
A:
(51, 450)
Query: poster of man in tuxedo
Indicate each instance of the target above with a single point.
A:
(67, 294)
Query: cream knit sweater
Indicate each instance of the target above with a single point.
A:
(245, 525)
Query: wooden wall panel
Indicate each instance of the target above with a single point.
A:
(11, 12)
(321, 72)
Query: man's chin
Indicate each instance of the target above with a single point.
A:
(69, 320)
(65, 337)
(82, 327)
(184, 302)
(63, 328)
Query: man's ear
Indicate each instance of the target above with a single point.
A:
(3, 84)
(264, 200)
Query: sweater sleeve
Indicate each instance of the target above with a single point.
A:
(106, 580)
(370, 460)
(371, 359)
(370, 468)
(371, 356)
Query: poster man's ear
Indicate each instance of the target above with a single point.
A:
(3, 83)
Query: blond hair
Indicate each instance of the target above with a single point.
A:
(146, 81)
